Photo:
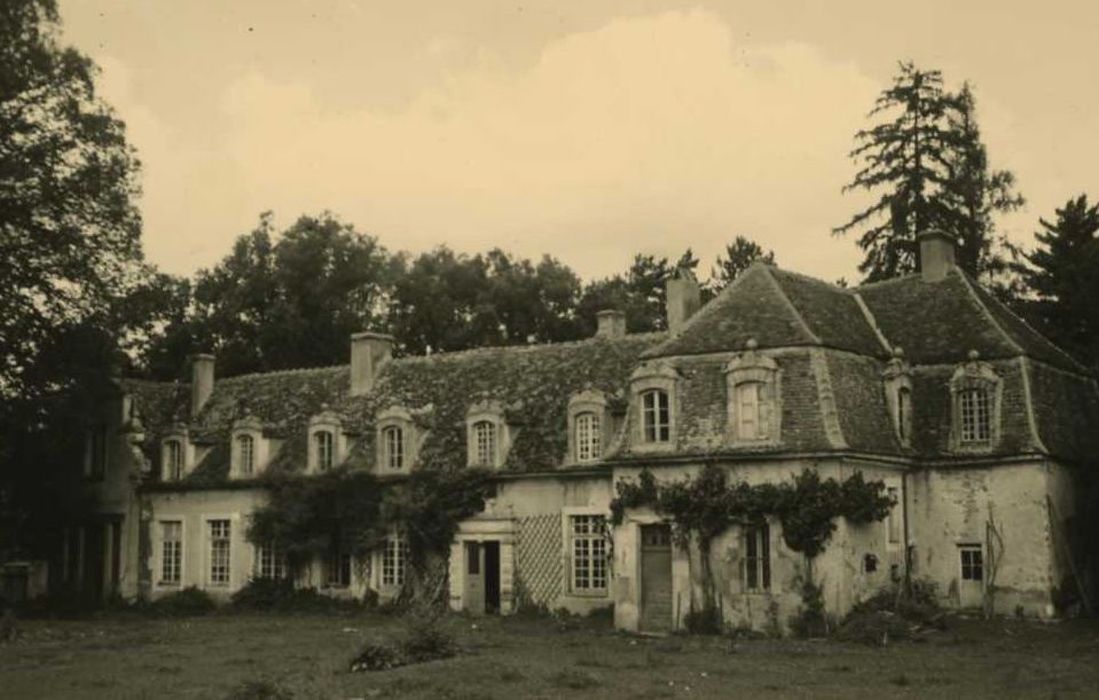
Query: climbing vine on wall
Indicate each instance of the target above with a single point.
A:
(309, 516)
(707, 505)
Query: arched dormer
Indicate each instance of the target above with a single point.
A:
(488, 437)
(653, 394)
(177, 454)
(397, 442)
(248, 449)
(753, 383)
(975, 397)
(897, 384)
(589, 427)
(327, 442)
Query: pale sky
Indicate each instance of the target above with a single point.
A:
(588, 129)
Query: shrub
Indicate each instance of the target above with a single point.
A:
(258, 690)
(893, 613)
(280, 595)
(424, 640)
(185, 603)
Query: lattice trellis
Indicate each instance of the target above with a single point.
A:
(538, 567)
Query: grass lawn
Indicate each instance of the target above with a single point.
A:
(307, 656)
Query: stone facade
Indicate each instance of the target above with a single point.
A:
(981, 430)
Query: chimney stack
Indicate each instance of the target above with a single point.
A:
(612, 324)
(369, 353)
(936, 255)
(202, 381)
(683, 298)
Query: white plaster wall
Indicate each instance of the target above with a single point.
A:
(193, 509)
(950, 507)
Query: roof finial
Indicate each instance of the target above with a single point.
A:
(974, 355)
(751, 344)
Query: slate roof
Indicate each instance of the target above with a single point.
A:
(831, 345)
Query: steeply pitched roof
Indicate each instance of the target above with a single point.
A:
(532, 383)
(940, 322)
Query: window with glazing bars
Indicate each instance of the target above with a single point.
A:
(219, 552)
(656, 416)
(588, 437)
(246, 452)
(394, 557)
(973, 565)
(757, 557)
(589, 553)
(393, 440)
(323, 441)
(173, 458)
(976, 415)
(171, 551)
(270, 561)
(484, 442)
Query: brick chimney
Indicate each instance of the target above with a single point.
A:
(612, 324)
(202, 381)
(369, 353)
(684, 297)
(936, 255)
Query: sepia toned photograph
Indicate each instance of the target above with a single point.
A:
(481, 350)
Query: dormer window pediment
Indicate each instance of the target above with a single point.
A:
(753, 383)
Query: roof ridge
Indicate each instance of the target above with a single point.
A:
(810, 278)
(968, 284)
(793, 307)
(882, 283)
(487, 349)
(872, 321)
(285, 372)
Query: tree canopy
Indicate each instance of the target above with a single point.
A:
(925, 162)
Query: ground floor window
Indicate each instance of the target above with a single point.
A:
(338, 573)
(394, 560)
(757, 557)
(589, 553)
(270, 561)
(972, 560)
(171, 551)
(219, 552)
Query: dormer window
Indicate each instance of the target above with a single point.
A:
(323, 449)
(393, 448)
(246, 451)
(173, 459)
(95, 456)
(589, 443)
(327, 443)
(398, 439)
(897, 381)
(904, 414)
(976, 394)
(656, 416)
(752, 382)
(976, 415)
(249, 448)
(484, 443)
(589, 427)
(653, 387)
(487, 435)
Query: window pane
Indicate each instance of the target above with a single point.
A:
(171, 554)
(589, 553)
(219, 552)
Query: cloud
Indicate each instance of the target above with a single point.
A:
(647, 134)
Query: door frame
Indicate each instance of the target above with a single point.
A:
(481, 530)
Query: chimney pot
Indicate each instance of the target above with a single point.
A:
(936, 255)
(683, 299)
(612, 324)
(369, 353)
(202, 381)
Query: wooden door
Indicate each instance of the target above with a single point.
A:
(656, 578)
(474, 594)
(971, 579)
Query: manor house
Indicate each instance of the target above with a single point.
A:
(980, 429)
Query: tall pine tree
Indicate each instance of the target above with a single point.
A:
(930, 168)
